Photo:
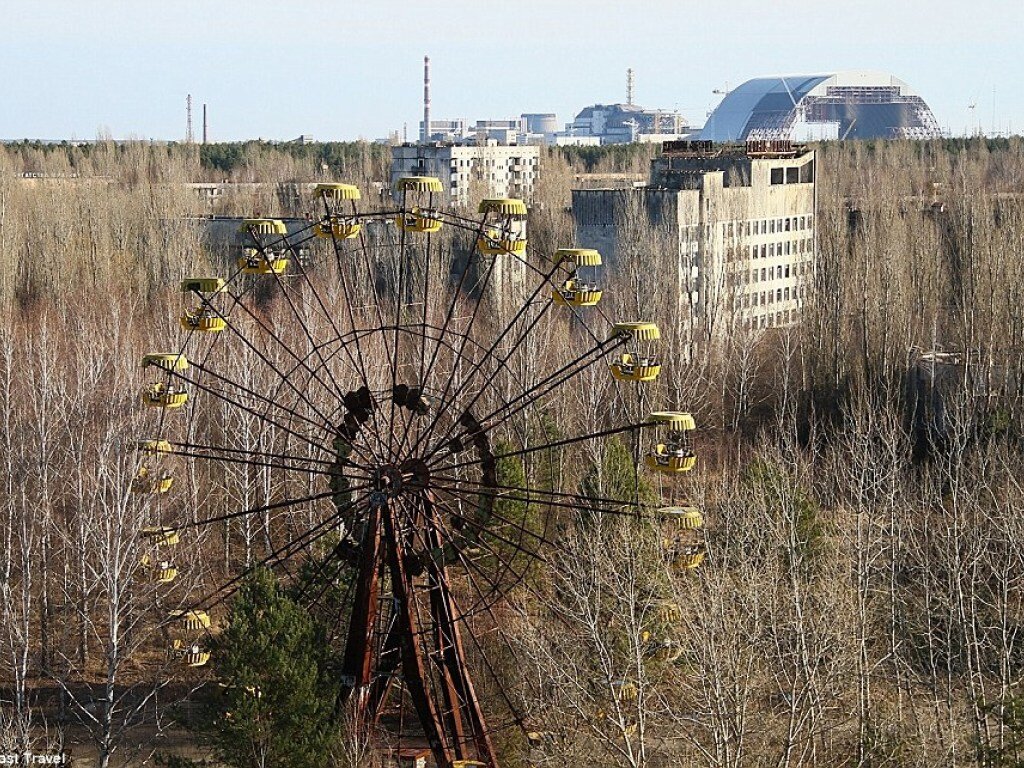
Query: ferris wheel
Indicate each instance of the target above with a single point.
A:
(378, 393)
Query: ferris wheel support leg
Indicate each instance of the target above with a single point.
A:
(414, 667)
(357, 666)
(458, 685)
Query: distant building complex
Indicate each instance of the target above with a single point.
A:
(626, 123)
(844, 105)
(736, 225)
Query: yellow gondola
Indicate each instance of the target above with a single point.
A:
(683, 536)
(203, 319)
(166, 396)
(338, 227)
(191, 653)
(203, 285)
(337, 193)
(253, 262)
(333, 224)
(687, 517)
(161, 535)
(146, 481)
(420, 218)
(673, 454)
(578, 289)
(640, 361)
(691, 557)
(163, 571)
(193, 620)
(154, 446)
(263, 227)
(495, 243)
(508, 236)
(167, 361)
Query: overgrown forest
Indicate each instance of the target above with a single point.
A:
(862, 599)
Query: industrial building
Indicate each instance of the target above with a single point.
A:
(733, 225)
(627, 123)
(843, 105)
(470, 172)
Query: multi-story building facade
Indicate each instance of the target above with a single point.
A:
(470, 172)
(734, 226)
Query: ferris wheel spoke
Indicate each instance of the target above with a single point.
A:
(451, 309)
(465, 335)
(279, 555)
(252, 412)
(316, 348)
(249, 460)
(343, 279)
(270, 364)
(554, 444)
(256, 510)
(299, 318)
(467, 497)
(269, 330)
(242, 388)
(568, 500)
(529, 397)
(470, 378)
(208, 448)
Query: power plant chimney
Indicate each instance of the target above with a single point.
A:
(425, 137)
(629, 86)
(188, 119)
(205, 135)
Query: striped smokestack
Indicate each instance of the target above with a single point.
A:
(426, 100)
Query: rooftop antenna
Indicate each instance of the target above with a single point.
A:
(426, 100)
(205, 125)
(189, 138)
(629, 86)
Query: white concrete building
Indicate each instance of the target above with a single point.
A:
(470, 172)
(741, 223)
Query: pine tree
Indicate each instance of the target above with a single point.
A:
(275, 710)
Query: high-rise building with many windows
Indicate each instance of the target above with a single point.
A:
(733, 227)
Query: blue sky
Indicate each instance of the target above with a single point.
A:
(345, 70)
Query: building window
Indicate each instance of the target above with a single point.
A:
(787, 270)
(771, 273)
(793, 175)
(748, 228)
(785, 293)
(764, 272)
(787, 223)
(764, 250)
(778, 175)
(771, 249)
(771, 297)
(787, 247)
(753, 276)
(771, 226)
(778, 295)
